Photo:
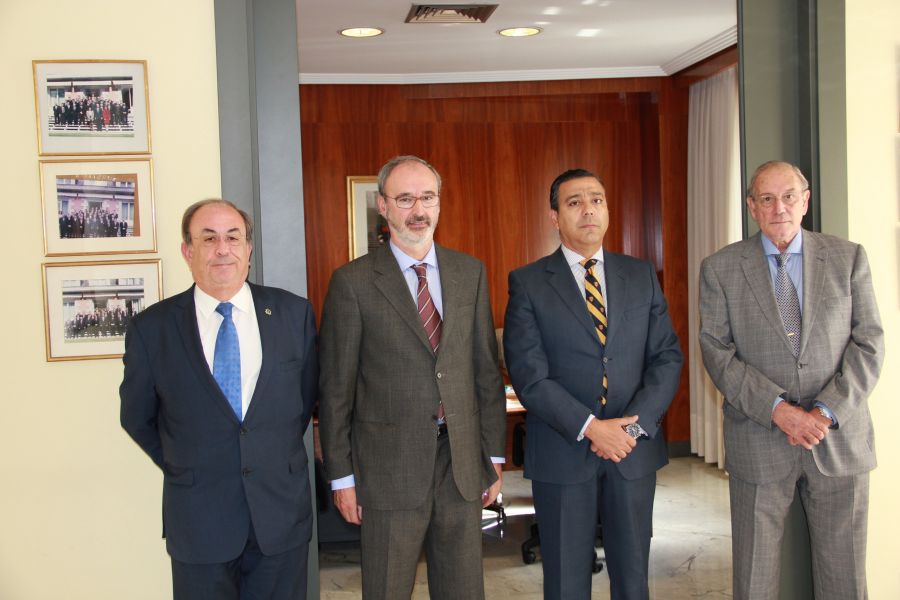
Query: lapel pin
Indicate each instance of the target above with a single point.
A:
(268, 311)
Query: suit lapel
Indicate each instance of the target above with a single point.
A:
(392, 284)
(563, 282)
(814, 267)
(190, 335)
(267, 335)
(616, 292)
(451, 279)
(755, 266)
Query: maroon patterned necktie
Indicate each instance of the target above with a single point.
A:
(431, 319)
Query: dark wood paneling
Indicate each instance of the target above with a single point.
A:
(498, 147)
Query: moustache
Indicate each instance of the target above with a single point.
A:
(418, 219)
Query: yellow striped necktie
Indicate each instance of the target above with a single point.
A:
(596, 305)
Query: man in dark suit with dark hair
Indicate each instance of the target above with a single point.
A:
(219, 386)
(592, 355)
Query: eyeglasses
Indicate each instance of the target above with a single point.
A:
(211, 240)
(768, 200)
(408, 200)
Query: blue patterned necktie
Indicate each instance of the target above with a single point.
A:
(227, 360)
(788, 302)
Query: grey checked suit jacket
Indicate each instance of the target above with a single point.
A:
(748, 355)
(381, 383)
(556, 364)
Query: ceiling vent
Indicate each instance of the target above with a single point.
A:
(450, 13)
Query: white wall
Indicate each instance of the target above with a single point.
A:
(873, 149)
(80, 502)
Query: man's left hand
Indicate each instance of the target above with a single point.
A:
(490, 494)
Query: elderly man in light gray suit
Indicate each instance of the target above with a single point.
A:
(412, 411)
(791, 336)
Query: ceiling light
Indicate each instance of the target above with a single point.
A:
(551, 11)
(519, 31)
(361, 32)
(588, 32)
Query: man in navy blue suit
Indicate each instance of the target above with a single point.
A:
(592, 355)
(219, 387)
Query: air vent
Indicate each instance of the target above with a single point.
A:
(450, 13)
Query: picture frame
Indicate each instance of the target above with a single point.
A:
(85, 107)
(367, 229)
(97, 206)
(88, 305)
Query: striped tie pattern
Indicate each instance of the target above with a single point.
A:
(431, 319)
(596, 305)
(788, 302)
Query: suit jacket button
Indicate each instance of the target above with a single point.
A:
(246, 472)
(243, 431)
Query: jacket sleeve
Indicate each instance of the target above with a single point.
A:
(137, 393)
(339, 352)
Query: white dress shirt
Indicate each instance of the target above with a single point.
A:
(244, 317)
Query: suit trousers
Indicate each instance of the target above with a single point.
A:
(837, 514)
(445, 524)
(567, 518)
(250, 576)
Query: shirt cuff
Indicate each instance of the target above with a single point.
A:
(498, 460)
(584, 428)
(778, 400)
(828, 414)
(343, 483)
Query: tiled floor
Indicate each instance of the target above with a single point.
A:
(690, 556)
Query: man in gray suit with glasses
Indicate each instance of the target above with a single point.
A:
(791, 336)
(412, 412)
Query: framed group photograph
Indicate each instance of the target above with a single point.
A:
(367, 228)
(97, 206)
(88, 305)
(91, 107)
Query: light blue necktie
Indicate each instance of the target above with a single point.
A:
(227, 359)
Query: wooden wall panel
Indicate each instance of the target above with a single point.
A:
(498, 147)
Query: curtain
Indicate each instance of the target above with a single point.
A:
(714, 220)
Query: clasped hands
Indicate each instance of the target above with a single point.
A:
(803, 428)
(608, 437)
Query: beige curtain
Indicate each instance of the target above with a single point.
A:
(714, 220)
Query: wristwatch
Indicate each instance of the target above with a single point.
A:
(825, 414)
(634, 430)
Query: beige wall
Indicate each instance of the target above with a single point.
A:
(80, 502)
(873, 148)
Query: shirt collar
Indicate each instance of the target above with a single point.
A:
(573, 257)
(242, 300)
(406, 261)
(795, 247)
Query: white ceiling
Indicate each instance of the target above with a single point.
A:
(634, 38)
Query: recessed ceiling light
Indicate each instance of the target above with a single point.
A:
(551, 11)
(361, 32)
(587, 32)
(519, 31)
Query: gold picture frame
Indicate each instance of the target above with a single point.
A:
(85, 107)
(367, 229)
(97, 206)
(88, 305)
